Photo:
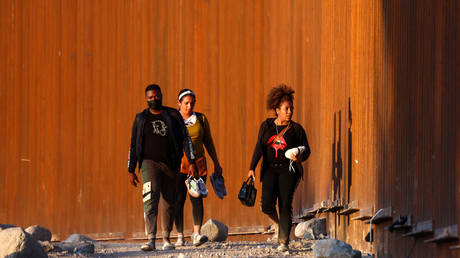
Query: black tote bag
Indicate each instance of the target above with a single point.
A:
(248, 193)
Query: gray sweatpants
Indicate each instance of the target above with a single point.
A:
(158, 178)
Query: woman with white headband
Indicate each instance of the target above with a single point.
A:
(200, 133)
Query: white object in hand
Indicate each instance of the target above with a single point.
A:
(296, 151)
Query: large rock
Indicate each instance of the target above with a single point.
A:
(40, 233)
(312, 229)
(333, 248)
(15, 242)
(77, 238)
(215, 230)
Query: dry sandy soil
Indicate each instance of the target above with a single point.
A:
(298, 248)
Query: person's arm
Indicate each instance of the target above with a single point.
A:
(132, 157)
(257, 154)
(304, 142)
(187, 143)
(209, 144)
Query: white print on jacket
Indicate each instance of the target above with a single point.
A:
(159, 127)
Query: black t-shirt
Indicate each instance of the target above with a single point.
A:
(277, 146)
(155, 140)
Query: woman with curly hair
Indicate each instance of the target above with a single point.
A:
(283, 145)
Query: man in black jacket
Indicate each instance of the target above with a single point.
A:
(158, 140)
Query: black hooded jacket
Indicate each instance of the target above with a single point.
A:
(179, 139)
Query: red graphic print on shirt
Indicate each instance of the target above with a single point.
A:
(277, 142)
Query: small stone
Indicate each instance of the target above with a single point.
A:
(75, 238)
(216, 231)
(77, 247)
(40, 233)
(311, 229)
(309, 235)
(334, 248)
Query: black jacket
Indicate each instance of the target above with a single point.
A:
(179, 139)
(261, 147)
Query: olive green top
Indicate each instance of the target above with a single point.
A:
(201, 136)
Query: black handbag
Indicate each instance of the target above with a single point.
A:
(248, 193)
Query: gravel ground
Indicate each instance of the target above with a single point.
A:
(298, 248)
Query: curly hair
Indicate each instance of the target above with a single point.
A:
(278, 95)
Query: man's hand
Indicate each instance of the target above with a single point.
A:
(218, 169)
(133, 179)
(293, 157)
(192, 170)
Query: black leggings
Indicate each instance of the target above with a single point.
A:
(181, 195)
(279, 184)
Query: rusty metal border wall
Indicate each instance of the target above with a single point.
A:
(376, 90)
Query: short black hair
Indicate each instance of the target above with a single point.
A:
(152, 87)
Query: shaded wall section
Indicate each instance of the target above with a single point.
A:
(376, 90)
(419, 176)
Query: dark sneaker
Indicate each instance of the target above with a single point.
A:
(202, 188)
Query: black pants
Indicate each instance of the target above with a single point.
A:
(158, 179)
(279, 184)
(181, 195)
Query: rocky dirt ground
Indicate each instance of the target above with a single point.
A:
(298, 248)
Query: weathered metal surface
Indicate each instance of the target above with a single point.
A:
(376, 90)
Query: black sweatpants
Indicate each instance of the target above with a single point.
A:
(181, 195)
(158, 179)
(279, 184)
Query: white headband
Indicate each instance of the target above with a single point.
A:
(188, 92)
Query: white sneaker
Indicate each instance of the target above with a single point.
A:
(180, 241)
(149, 246)
(168, 246)
(275, 229)
(192, 187)
(199, 239)
(282, 248)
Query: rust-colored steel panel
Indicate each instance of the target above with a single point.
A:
(376, 90)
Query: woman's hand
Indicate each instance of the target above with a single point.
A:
(293, 157)
(251, 174)
(193, 170)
